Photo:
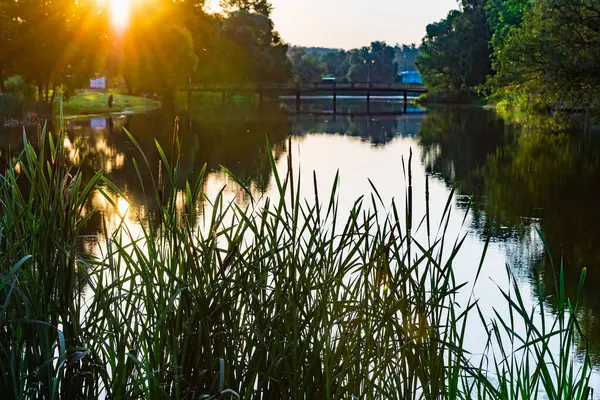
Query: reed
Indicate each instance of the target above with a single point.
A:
(287, 298)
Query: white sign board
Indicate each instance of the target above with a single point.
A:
(99, 83)
(98, 124)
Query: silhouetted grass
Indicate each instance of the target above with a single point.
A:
(289, 298)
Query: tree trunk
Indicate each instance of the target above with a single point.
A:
(53, 96)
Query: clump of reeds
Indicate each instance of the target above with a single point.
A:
(286, 299)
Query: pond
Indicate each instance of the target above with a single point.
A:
(528, 194)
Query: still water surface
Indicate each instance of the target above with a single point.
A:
(509, 184)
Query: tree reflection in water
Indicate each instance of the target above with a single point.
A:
(523, 180)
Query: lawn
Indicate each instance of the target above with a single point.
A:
(88, 102)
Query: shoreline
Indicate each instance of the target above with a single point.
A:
(127, 111)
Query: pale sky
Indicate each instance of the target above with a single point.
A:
(356, 23)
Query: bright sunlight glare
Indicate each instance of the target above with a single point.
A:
(120, 11)
(213, 6)
(122, 207)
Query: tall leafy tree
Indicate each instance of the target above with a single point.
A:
(251, 50)
(159, 58)
(455, 55)
(8, 29)
(56, 43)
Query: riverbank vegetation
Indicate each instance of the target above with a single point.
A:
(539, 56)
(290, 297)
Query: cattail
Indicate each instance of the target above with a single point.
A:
(160, 180)
(291, 170)
(318, 211)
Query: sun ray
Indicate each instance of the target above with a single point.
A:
(120, 13)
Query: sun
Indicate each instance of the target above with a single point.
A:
(119, 11)
(119, 14)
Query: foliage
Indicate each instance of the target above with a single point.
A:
(542, 55)
(8, 29)
(162, 51)
(455, 56)
(10, 105)
(252, 50)
(17, 85)
(381, 61)
(550, 60)
(377, 63)
(56, 42)
(503, 17)
(307, 67)
(336, 64)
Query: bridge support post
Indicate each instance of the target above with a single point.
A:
(405, 101)
(189, 101)
(369, 99)
(298, 98)
(334, 99)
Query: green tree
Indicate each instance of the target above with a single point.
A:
(251, 50)
(56, 42)
(159, 58)
(455, 56)
(307, 67)
(551, 60)
(336, 64)
(378, 61)
(8, 28)
(503, 17)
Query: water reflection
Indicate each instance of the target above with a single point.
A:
(518, 181)
(351, 105)
(522, 181)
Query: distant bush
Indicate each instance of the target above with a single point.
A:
(17, 85)
(10, 105)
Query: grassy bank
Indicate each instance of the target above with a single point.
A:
(291, 298)
(91, 103)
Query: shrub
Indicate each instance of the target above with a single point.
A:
(17, 86)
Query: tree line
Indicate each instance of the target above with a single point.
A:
(378, 62)
(535, 54)
(63, 43)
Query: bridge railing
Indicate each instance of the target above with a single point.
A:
(307, 87)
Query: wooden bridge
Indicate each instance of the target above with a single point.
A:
(332, 89)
